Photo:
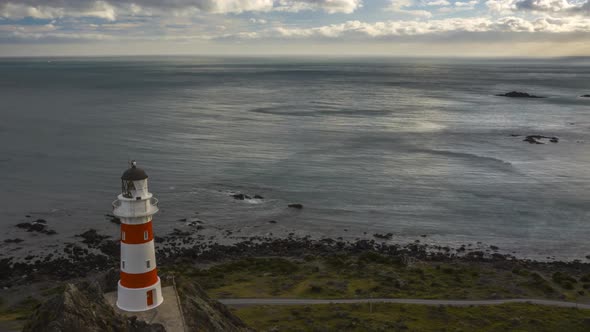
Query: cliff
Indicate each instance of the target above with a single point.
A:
(82, 308)
(204, 314)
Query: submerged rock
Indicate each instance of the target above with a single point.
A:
(585, 96)
(518, 94)
(296, 206)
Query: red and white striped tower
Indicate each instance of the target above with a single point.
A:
(139, 286)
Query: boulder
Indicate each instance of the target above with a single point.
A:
(585, 96)
(296, 206)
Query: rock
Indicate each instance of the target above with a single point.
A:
(517, 94)
(113, 219)
(585, 96)
(92, 238)
(258, 197)
(241, 197)
(537, 139)
(82, 308)
(13, 240)
(587, 256)
(387, 236)
(296, 206)
(204, 314)
(39, 226)
(272, 222)
(179, 233)
(494, 248)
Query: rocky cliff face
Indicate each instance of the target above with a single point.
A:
(82, 308)
(204, 314)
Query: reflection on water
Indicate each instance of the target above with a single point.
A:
(410, 147)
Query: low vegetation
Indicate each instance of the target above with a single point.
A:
(374, 275)
(404, 317)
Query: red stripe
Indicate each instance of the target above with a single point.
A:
(134, 234)
(140, 280)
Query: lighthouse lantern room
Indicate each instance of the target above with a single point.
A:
(139, 285)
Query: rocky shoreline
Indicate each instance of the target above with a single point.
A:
(95, 252)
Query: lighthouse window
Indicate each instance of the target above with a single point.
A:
(123, 264)
(148, 264)
(127, 186)
(123, 236)
(145, 235)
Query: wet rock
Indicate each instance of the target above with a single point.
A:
(92, 238)
(115, 220)
(272, 222)
(537, 139)
(387, 236)
(179, 233)
(13, 240)
(38, 226)
(241, 197)
(296, 206)
(585, 96)
(258, 197)
(518, 94)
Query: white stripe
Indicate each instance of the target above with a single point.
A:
(136, 256)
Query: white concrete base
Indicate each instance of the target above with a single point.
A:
(136, 299)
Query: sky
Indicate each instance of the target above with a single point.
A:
(485, 28)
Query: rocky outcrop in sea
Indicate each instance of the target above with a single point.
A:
(518, 94)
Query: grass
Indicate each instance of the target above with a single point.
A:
(401, 317)
(374, 275)
(14, 317)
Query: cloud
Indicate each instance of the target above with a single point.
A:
(110, 9)
(400, 7)
(555, 7)
(468, 27)
(438, 3)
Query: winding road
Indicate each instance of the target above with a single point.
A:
(282, 301)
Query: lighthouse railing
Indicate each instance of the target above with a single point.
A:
(135, 208)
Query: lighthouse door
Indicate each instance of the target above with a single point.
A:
(150, 297)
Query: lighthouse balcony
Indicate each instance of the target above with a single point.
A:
(126, 208)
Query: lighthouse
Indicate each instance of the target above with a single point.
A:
(139, 285)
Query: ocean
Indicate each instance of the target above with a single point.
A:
(421, 148)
